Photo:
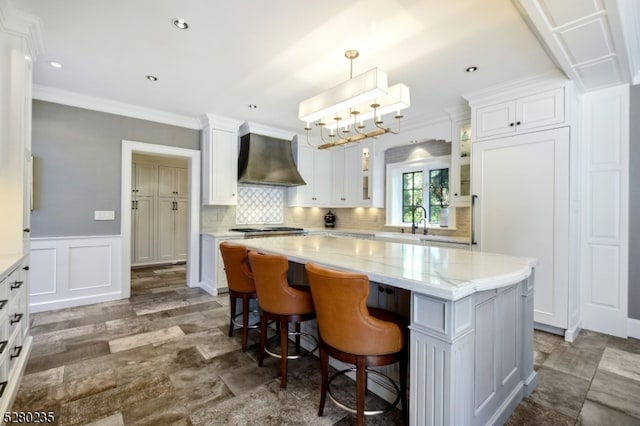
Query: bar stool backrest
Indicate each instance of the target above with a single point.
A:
(344, 322)
(274, 292)
(236, 266)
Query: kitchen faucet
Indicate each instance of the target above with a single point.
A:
(414, 226)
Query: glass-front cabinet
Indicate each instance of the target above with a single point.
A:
(460, 177)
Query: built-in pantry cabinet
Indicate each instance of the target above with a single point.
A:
(19, 46)
(159, 210)
(520, 162)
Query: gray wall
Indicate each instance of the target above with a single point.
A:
(77, 156)
(634, 205)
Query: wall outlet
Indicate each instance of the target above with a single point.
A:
(104, 215)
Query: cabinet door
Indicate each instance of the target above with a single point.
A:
(496, 119)
(143, 230)
(356, 176)
(522, 183)
(321, 177)
(181, 185)
(181, 221)
(460, 171)
(539, 110)
(314, 167)
(221, 168)
(338, 177)
(166, 181)
(143, 182)
(165, 234)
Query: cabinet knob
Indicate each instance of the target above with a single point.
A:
(511, 124)
(518, 123)
(16, 284)
(455, 194)
(381, 289)
(26, 268)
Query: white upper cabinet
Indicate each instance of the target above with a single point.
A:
(219, 147)
(313, 165)
(352, 177)
(460, 171)
(537, 111)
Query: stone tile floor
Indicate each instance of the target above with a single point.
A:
(163, 357)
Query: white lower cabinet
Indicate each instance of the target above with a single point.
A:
(213, 277)
(15, 342)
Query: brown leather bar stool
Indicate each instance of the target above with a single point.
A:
(281, 303)
(353, 333)
(241, 286)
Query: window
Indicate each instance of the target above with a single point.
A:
(417, 183)
(438, 193)
(412, 196)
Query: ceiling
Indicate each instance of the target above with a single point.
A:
(273, 54)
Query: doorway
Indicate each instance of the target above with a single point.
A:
(192, 157)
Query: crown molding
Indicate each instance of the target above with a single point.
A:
(50, 94)
(264, 130)
(25, 26)
(220, 123)
(515, 87)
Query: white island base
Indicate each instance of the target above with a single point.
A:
(471, 360)
(471, 321)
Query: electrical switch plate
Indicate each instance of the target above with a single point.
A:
(104, 215)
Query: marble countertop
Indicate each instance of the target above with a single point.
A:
(398, 235)
(447, 273)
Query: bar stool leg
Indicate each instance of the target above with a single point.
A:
(284, 338)
(297, 338)
(324, 378)
(361, 386)
(245, 322)
(232, 313)
(263, 338)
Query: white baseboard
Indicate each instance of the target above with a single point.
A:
(634, 328)
(206, 286)
(70, 303)
(571, 333)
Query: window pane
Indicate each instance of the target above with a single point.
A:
(412, 194)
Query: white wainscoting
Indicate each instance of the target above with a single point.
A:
(74, 271)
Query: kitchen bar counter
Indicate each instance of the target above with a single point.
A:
(471, 321)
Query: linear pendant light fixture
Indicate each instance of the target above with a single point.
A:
(343, 110)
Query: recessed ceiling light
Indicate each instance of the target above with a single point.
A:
(253, 106)
(55, 64)
(179, 23)
(471, 69)
(152, 78)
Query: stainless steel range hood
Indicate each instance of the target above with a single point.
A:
(268, 161)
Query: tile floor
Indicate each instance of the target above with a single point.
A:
(163, 358)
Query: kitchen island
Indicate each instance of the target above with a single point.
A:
(471, 320)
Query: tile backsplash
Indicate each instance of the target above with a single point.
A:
(260, 204)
